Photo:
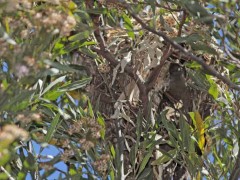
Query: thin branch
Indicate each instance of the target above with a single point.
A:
(129, 70)
(236, 169)
(184, 17)
(230, 54)
(157, 70)
(158, 5)
(199, 60)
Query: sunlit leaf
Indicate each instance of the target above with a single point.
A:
(79, 36)
(199, 124)
(56, 81)
(75, 85)
(164, 158)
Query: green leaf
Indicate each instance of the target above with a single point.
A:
(56, 81)
(30, 162)
(90, 110)
(164, 158)
(171, 128)
(5, 157)
(145, 161)
(75, 85)
(204, 48)
(195, 8)
(113, 151)
(139, 127)
(21, 175)
(132, 154)
(213, 90)
(129, 26)
(146, 174)
(53, 127)
(19, 101)
(112, 177)
(3, 176)
(153, 6)
(52, 95)
(97, 11)
(101, 122)
(87, 43)
(88, 52)
(188, 39)
(72, 170)
(80, 36)
(63, 67)
(185, 133)
(59, 47)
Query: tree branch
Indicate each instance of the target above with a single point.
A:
(236, 169)
(184, 17)
(129, 70)
(199, 60)
(157, 70)
(157, 5)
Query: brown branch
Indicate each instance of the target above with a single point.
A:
(129, 70)
(199, 60)
(184, 17)
(141, 86)
(157, 5)
(157, 70)
(236, 169)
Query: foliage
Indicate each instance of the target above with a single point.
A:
(92, 80)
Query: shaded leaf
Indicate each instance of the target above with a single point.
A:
(146, 174)
(53, 127)
(145, 161)
(205, 48)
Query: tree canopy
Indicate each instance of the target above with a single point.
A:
(119, 89)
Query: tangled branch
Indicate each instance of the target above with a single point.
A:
(199, 60)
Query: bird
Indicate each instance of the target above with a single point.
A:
(178, 91)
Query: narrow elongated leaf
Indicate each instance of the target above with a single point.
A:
(64, 67)
(52, 128)
(112, 177)
(188, 39)
(76, 85)
(185, 133)
(213, 90)
(101, 122)
(20, 101)
(80, 36)
(145, 161)
(88, 52)
(90, 109)
(56, 81)
(164, 158)
(53, 95)
(97, 11)
(146, 174)
(200, 129)
(204, 48)
(129, 26)
(113, 152)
